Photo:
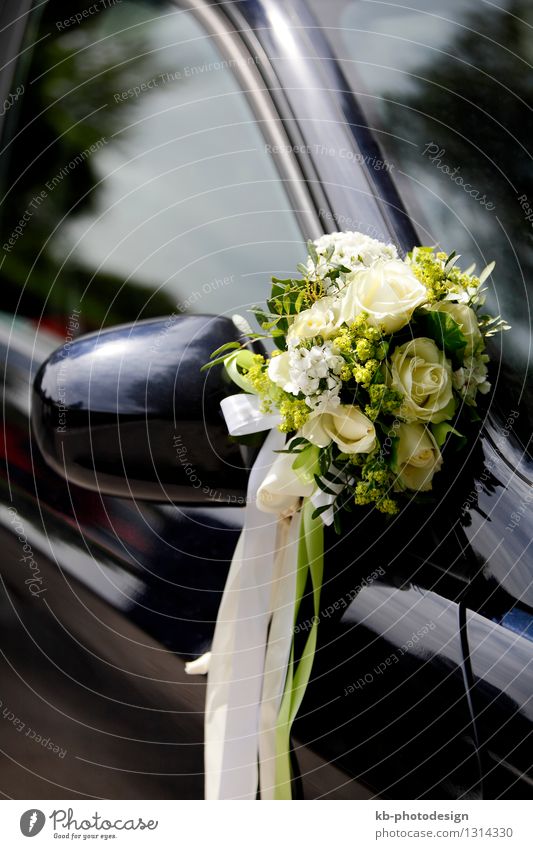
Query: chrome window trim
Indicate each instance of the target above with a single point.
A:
(232, 47)
(301, 72)
(14, 17)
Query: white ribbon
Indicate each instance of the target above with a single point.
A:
(279, 648)
(254, 630)
(235, 679)
(243, 415)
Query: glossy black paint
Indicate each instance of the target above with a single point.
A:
(128, 412)
(410, 730)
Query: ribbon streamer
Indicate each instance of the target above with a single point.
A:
(310, 563)
(278, 650)
(254, 685)
(236, 666)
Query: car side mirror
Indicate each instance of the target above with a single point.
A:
(127, 412)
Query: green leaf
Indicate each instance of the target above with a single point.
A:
(379, 376)
(295, 446)
(446, 332)
(235, 364)
(442, 430)
(472, 413)
(452, 260)
(270, 325)
(261, 316)
(229, 346)
(306, 464)
(224, 359)
(275, 306)
(298, 440)
(324, 460)
(299, 301)
(312, 252)
(319, 510)
(320, 483)
(216, 362)
(487, 271)
(332, 476)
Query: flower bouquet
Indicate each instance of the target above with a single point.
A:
(377, 361)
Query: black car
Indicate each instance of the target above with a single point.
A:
(160, 161)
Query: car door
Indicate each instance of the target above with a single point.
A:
(145, 149)
(388, 700)
(447, 97)
(137, 181)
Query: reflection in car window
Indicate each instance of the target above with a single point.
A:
(447, 91)
(139, 182)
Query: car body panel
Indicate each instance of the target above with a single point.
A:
(133, 588)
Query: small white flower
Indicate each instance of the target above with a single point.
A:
(351, 249)
(465, 295)
(472, 378)
(459, 379)
(302, 371)
(329, 399)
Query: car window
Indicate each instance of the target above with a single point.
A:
(138, 180)
(446, 89)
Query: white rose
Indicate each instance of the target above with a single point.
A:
(421, 372)
(282, 488)
(417, 457)
(319, 320)
(345, 425)
(279, 372)
(388, 291)
(467, 321)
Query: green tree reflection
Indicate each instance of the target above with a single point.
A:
(51, 145)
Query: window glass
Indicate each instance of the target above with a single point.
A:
(139, 182)
(447, 90)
